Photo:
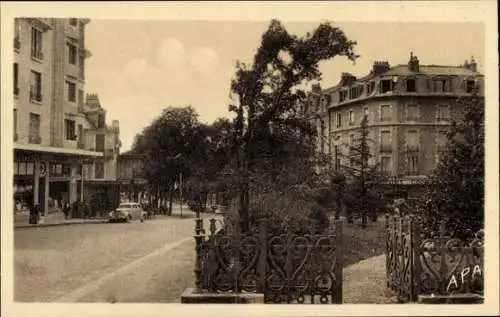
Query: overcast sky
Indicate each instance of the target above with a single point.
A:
(140, 67)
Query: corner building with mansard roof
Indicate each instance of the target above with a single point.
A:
(409, 110)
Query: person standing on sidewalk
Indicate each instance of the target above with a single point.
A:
(66, 209)
(34, 214)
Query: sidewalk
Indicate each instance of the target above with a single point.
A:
(365, 282)
(55, 219)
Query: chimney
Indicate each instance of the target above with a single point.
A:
(413, 63)
(473, 65)
(347, 79)
(380, 67)
(316, 88)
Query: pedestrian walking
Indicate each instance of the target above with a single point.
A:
(66, 209)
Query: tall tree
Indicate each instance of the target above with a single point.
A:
(269, 94)
(171, 144)
(456, 192)
(364, 178)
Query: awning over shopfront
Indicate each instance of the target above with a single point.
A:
(57, 150)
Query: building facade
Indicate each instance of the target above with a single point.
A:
(60, 139)
(133, 184)
(409, 109)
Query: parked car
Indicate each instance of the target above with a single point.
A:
(127, 212)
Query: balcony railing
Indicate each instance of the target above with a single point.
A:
(17, 43)
(35, 139)
(386, 148)
(37, 55)
(35, 96)
(80, 145)
(412, 148)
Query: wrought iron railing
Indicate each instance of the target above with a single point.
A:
(35, 96)
(286, 268)
(433, 266)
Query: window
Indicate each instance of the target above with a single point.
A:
(36, 44)
(15, 124)
(385, 113)
(356, 92)
(385, 164)
(99, 142)
(73, 22)
(470, 86)
(81, 65)
(71, 91)
(370, 87)
(412, 140)
(59, 169)
(339, 120)
(99, 170)
(411, 85)
(70, 129)
(342, 95)
(442, 85)
(442, 140)
(36, 86)
(72, 57)
(80, 98)
(34, 128)
(16, 79)
(101, 122)
(412, 164)
(412, 112)
(386, 86)
(385, 141)
(351, 117)
(443, 113)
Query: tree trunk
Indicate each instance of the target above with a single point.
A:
(170, 200)
(339, 209)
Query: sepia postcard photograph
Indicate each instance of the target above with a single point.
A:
(290, 158)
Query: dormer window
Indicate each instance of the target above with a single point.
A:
(356, 92)
(386, 85)
(470, 86)
(342, 95)
(442, 85)
(100, 122)
(411, 85)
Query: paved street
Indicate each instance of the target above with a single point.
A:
(135, 262)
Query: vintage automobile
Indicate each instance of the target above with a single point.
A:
(127, 212)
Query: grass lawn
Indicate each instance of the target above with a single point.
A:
(360, 244)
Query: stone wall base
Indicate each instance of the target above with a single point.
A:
(189, 297)
(451, 299)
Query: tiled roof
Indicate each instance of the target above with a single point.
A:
(431, 70)
(402, 70)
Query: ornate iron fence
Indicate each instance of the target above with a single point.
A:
(440, 265)
(286, 268)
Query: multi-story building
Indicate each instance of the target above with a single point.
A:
(409, 109)
(131, 176)
(58, 136)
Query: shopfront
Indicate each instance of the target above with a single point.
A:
(47, 178)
